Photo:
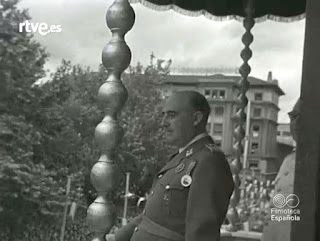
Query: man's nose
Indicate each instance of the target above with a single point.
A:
(164, 121)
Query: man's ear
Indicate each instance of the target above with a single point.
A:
(197, 118)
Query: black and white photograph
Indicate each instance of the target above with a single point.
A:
(159, 120)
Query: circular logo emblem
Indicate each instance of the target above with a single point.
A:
(292, 201)
(279, 201)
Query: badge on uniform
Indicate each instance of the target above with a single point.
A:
(179, 168)
(189, 152)
(186, 179)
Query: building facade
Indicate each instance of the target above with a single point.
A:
(221, 92)
(284, 135)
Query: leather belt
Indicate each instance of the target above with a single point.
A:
(158, 230)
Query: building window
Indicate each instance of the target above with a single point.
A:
(218, 94)
(258, 96)
(254, 147)
(222, 94)
(218, 111)
(286, 133)
(217, 128)
(215, 94)
(255, 131)
(256, 112)
(207, 93)
(278, 133)
(253, 165)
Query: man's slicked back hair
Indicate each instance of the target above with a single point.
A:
(198, 102)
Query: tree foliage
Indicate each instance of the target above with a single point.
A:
(32, 184)
(47, 130)
(21, 64)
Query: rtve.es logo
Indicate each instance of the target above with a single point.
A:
(292, 201)
(41, 28)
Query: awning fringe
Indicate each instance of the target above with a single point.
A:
(213, 17)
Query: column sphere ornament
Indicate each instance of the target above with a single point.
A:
(112, 95)
(116, 56)
(120, 16)
(97, 213)
(104, 176)
(108, 134)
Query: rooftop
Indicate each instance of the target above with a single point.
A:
(220, 78)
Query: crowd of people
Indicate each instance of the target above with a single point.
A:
(254, 205)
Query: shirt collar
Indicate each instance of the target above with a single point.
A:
(196, 138)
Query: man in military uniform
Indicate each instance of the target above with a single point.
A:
(274, 230)
(190, 194)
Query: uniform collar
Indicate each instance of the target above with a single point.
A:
(190, 149)
(198, 137)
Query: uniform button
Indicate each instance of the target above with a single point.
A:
(160, 175)
(152, 192)
(136, 229)
(168, 187)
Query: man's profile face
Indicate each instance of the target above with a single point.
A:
(178, 120)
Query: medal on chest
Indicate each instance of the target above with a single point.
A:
(186, 179)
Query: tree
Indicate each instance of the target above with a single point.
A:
(21, 59)
(46, 130)
(24, 183)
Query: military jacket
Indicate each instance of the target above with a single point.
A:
(188, 200)
(274, 230)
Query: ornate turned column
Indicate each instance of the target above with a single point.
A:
(239, 132)
(112, 95)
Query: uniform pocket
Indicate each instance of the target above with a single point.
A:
(178, 199)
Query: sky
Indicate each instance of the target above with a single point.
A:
(188, 41)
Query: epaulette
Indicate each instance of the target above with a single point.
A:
(213, 148)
